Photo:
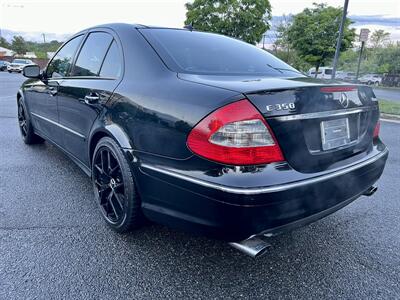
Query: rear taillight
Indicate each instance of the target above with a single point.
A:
(235, 134)
(377, 129)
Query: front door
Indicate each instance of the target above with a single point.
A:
(43, 94)
(41, 99)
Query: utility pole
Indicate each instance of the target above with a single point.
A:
(264, 41)
(359, 59)
(44, 38)
(340, 37)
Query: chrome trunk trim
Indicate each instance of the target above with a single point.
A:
(324, 114)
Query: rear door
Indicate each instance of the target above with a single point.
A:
(96, 73)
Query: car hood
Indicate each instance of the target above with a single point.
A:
(246, 84)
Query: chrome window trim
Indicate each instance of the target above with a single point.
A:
(59, 125)
(270, 189)
(323, 114)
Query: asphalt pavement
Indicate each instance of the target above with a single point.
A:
(54, 244)
(387, 94)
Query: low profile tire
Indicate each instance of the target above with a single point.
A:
(25, 125)
(114, 187)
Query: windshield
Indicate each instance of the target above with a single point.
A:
(19, 61)
(205, 53)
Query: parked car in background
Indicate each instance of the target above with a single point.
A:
(323, 73)
(3, 65)
(202, 132)
(392, 80)
(371, 79)
(346, 76)
(17, 65)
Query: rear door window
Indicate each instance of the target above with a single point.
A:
(92, 54)
(112, 65)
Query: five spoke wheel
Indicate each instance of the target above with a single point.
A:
(109, 185)
(22, 120)
(114, 187)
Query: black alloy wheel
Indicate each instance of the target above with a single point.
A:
(114, 187)
(22, 120)
(25, 125)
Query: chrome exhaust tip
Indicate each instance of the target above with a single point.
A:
(253, 246)
(370, 191)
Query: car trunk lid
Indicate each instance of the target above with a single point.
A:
(317, 123)
(321, 125)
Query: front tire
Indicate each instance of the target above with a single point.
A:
(114, 187)
(25, 125)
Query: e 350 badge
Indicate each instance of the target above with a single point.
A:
(281, 106)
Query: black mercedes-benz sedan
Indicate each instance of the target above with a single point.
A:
(202, 132)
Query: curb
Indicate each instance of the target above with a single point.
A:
(390, 121)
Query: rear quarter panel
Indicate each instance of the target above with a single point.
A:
(153, 106)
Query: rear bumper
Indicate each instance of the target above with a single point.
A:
(234, 213)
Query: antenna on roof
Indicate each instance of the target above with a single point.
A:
(189, 26)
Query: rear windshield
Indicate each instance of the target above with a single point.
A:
(205, 53)
(328, 71)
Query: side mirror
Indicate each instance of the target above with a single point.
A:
(32, 71)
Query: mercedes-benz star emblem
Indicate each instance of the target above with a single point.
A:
(344, 100)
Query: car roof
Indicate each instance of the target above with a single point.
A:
(121, 26)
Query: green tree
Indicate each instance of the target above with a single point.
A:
(242, 19)
(379, 38)
(388, 59)
(314, 33)
(41, 49)
(19, 45)
(377, 60)
(4, 43)
(282, 39)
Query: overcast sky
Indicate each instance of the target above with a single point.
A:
(61, 16)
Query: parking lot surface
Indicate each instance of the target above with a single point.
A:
(388, 94)
(54, 244)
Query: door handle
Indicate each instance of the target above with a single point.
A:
(52, 91)
(91, 99)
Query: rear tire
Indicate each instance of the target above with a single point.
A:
(114, 187)
(25, 125)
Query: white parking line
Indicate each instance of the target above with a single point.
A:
(6, 97)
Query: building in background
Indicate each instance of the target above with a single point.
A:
(6, 52)
(30, 55)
